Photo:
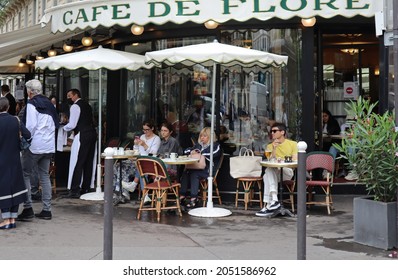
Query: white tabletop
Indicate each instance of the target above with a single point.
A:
(278, 164)
(180, 160)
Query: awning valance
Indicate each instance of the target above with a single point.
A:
(85, 14)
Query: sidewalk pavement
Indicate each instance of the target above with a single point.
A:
(76, 233)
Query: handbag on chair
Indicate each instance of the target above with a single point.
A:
(245, 164)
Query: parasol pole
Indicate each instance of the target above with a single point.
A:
(209, 211)
(98, 194)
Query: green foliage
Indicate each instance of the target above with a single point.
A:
(371, 149)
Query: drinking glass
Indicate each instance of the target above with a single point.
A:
(267, 154)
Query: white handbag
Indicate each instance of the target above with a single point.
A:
(246, 164)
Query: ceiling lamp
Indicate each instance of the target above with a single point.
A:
(52, 51)
(87, 40)
(308, 22)
(211, 24)
(21, 62)
(67, 47)
(350, 51)
(41, 55)
(137, 29)
(30, 59)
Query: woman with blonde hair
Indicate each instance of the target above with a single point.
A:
(191, 177)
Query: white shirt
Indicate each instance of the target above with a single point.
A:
(152, 143)
(74, 116)
(42, 128)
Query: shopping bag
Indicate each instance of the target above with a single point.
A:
(245, 164)
(201, 164)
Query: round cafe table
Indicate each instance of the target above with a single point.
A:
(272, 164)
(180, 160)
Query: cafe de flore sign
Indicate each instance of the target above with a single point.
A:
(83, 14)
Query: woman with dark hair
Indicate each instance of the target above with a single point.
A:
(330, 124)
(330, 127)
(169, 145)
(147, 144)
(12, 186)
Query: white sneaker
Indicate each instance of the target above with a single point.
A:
(126, 194)
(147, 199)
(130, 186)
(352, 176)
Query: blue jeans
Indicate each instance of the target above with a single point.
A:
(42, 161)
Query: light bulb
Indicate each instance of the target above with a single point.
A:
(308, 22)
(67, 48)
(211, 24)
(137, 29)
(87, 41)
(52, 52)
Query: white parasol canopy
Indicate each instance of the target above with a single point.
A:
(211, 54)
(95, 59)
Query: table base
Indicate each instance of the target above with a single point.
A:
(97, 195)
(209, 212)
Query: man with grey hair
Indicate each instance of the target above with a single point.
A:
(41, 119)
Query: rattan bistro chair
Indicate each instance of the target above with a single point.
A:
(158, 182)
(320, 161)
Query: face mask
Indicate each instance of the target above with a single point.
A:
(70, 101)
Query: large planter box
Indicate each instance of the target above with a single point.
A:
(375, 223)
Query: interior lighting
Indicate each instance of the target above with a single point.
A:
(137, 29)
(211, 24)
(308, 22)
(52, 51)
(350, 51)
(87, 40)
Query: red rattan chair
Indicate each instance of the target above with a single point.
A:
(322, 161)
(158, 182)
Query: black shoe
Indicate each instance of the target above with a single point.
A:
(274, 206)
(265, 212)
(73, 195)
(26, 215)
(45, 215)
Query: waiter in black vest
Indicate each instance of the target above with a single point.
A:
(83, 152)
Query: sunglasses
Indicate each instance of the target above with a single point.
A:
(275, 130)
(146, 129)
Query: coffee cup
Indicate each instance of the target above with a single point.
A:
(173, 156)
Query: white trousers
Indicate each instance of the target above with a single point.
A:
(271, 178)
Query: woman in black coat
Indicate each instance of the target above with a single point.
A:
(12, 186)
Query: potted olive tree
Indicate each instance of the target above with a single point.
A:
(371, 151)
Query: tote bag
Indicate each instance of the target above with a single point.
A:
(245, 164)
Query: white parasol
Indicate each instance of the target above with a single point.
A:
(211, 54)
(95, 59)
